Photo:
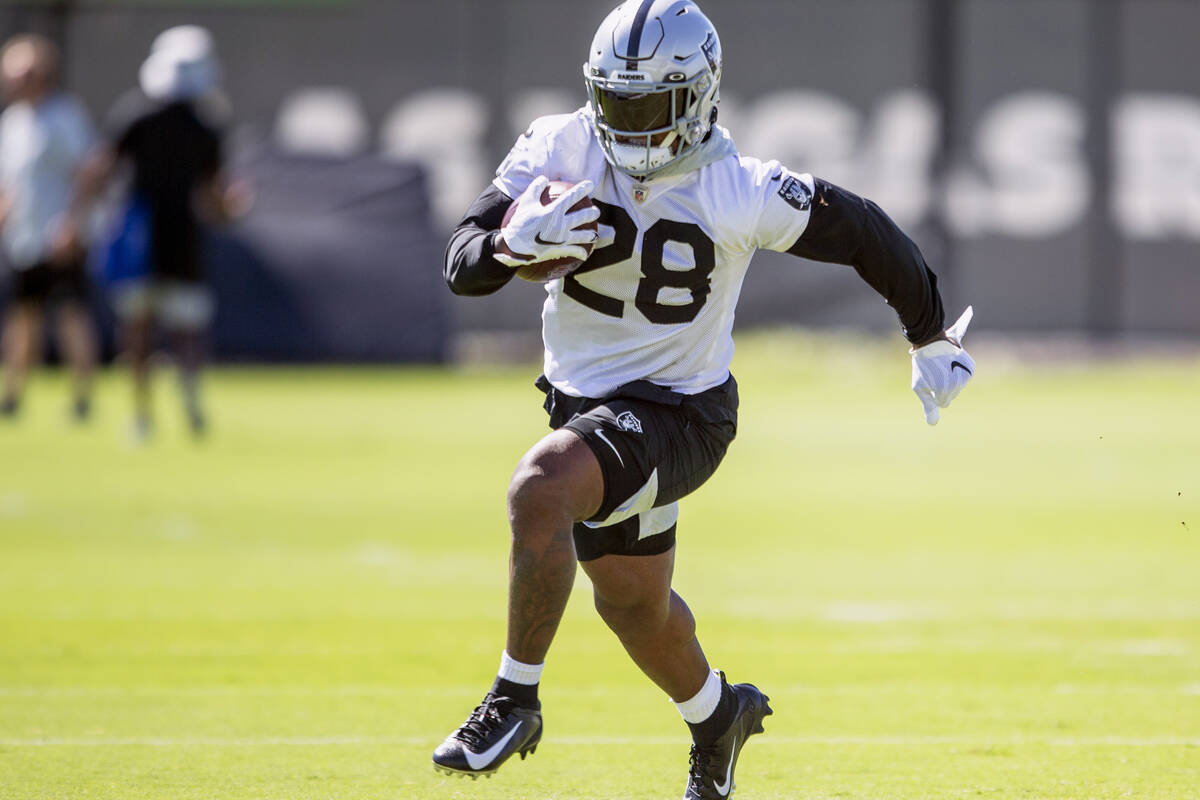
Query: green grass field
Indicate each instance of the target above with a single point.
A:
(1004, 606)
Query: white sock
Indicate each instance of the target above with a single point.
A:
(701, 707)
(515, 671)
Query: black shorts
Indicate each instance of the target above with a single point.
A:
(44, 282)
(654, 447)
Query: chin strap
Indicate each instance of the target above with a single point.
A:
(718, 145)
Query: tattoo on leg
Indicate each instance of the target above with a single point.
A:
(540, 581)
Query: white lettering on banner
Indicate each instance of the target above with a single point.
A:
(801, 127)
(443, 130)
(1032, 178)
(1158, 166)
(889, 160)
(322, 121)
(530, 104)
(898, 153)
(1025, 173)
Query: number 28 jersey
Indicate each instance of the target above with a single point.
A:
(657, 303)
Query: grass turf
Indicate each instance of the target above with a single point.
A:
(1006, 605)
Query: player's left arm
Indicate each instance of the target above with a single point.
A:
(844, 228)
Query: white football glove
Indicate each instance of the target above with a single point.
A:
(540, 233)
(940, 370)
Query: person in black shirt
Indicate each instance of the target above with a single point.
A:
(168, 135)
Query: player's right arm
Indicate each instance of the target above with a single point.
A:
(481, 257)
(470, 266)
(534, 232)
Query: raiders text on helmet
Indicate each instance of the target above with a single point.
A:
(653, 78)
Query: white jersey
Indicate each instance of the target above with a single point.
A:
(658, 303)
(41, 146)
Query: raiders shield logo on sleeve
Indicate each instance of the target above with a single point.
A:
(795, 193)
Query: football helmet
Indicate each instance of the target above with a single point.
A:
(653, 79)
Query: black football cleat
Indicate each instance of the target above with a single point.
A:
(496, 729)
(710, 776)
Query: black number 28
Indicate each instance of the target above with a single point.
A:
(655, 276)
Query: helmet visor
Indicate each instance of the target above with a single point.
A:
(650, 111)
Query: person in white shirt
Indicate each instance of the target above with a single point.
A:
(638, 346)
(45, 135)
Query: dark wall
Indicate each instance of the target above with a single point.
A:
(1045, 153)
(330, 265)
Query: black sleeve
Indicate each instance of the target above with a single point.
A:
(847, 229)
(211, 156)
(469, 267)
(212, 113)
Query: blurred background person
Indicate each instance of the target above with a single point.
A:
(165, 139)
(45, 135)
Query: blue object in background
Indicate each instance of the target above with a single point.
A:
(126, 256)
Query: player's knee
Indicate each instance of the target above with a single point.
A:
(621, 594)
(615, 606)
(630, 611)
(613, 611)
(558, 477)
(535, 486)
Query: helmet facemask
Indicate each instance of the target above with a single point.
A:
(643, 126)
(653, 78)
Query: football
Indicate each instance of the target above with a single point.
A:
(542, 271)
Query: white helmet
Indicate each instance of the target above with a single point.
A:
(654, 71)
(182, 65)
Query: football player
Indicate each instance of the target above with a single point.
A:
(637, 353)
